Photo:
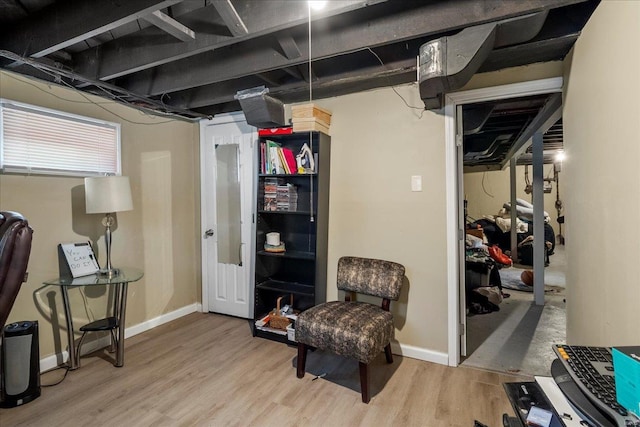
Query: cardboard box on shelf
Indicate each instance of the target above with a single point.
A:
(306, 125)
(310, 111)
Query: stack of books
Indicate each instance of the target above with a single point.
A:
(275, 159)
(286, 197)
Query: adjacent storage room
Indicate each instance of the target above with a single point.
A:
(291, 228)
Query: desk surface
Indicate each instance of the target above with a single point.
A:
(125, 275)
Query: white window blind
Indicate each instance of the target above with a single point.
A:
(35, 140)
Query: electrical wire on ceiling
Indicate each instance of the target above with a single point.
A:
(421, 109)
(139, 102)
(90, 101)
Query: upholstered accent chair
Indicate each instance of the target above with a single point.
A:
(353, 329)
(15, 248)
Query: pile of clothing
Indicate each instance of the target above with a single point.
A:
(483, 287)
(497, 228)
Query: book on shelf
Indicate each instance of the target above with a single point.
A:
(283, 162)
(263, 167)
(290, 160)
(275, 159)
(274, 162)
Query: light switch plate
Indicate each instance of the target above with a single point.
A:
(416, 183)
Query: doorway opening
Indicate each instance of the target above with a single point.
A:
(506, 330)
(498, 336)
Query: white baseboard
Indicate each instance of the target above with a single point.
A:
(160, 320)
(57, 359)
(54, 360)
(419, 353)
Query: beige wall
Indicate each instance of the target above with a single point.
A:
(486, 192)
(377, 144)
(159, 236)
(602, 143)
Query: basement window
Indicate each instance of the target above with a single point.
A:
(36, 140)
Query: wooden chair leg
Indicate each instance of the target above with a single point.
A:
(387, 353)
(364, 382)
(302, 359)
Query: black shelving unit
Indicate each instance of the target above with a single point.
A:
(300, 271)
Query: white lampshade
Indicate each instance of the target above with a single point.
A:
(106, 194)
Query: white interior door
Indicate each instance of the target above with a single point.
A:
(227, 194)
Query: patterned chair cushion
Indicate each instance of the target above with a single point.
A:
(370, 276)
(353, 329)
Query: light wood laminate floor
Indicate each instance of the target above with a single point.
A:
(207, 370)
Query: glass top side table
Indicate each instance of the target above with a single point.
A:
(112, 323)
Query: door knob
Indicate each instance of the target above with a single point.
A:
(208, 233)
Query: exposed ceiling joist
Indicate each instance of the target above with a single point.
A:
(65, 24)
(250, 58)
(288, 45)
(304, 71)
(548, 115)
(294, 92)
(536, 51)
(293, 72)
(357, 45)
(230, 17)
(38, 68)
(170, 26)
(267, 79)
(125, 56)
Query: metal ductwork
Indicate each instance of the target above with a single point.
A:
(448, 63)
(260, 109)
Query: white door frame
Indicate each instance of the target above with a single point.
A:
(217, 120)
(453, 228)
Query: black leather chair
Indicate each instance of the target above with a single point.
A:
(15, 248)
(353, 329)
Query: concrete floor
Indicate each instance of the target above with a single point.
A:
(518, 338)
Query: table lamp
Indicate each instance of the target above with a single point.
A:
(107, 195)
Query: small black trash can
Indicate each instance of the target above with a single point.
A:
(20, 363)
